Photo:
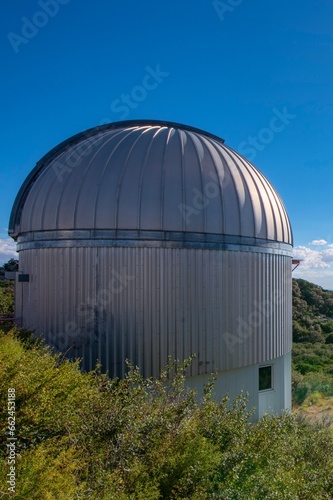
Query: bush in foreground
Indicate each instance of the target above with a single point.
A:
(85, 436)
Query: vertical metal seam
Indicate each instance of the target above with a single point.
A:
(162, 193)
(113, 136)
(143, 168)
(122, 173)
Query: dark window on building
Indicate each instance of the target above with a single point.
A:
(265, 378)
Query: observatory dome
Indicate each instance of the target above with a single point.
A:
(141, 180)
(145, 240)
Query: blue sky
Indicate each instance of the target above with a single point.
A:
(257, 73)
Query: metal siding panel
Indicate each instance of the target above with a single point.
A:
(225, 328)
(162, 305)
(257, 293)
(153, 340)
(245, 268)
(170, 303)
(131, 309)
(203, 306)
(185, 345)
(192, 310)
(177, 298)
(243, 284)
(199, 317)
(229, 308)
(235, 302)
(156, 310)
(221, 316)
(215, 346)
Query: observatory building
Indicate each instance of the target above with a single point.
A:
(141, 240)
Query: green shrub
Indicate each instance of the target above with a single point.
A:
(310, 383)
(312, 357)
(6, 303)
(329, 339)
(327, 326)
(84, 436)
(306, 367)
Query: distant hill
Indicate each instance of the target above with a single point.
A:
(312, 328)
(312, 313)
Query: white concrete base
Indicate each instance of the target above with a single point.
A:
(275, 400)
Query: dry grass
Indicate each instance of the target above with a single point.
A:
(317, 409)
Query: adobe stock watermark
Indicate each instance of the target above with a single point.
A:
(11, 441)
(151, 80)
(85, 148)
(277, 124)
(222, 8)
(90, 324)
(260, 312)
(201, 199)
(30, 27)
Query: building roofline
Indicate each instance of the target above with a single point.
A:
(74, 139)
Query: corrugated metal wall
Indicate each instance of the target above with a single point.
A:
(230, 308)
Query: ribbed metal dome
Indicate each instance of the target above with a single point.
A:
(149, 176)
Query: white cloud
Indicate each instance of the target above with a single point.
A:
(321, 277)
(316, 265)
(318, 242)
(327, 255)
(312, 259)
(7, 250)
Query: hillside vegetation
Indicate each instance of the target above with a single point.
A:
(313, 346)
(312, 313)
(7, 293)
